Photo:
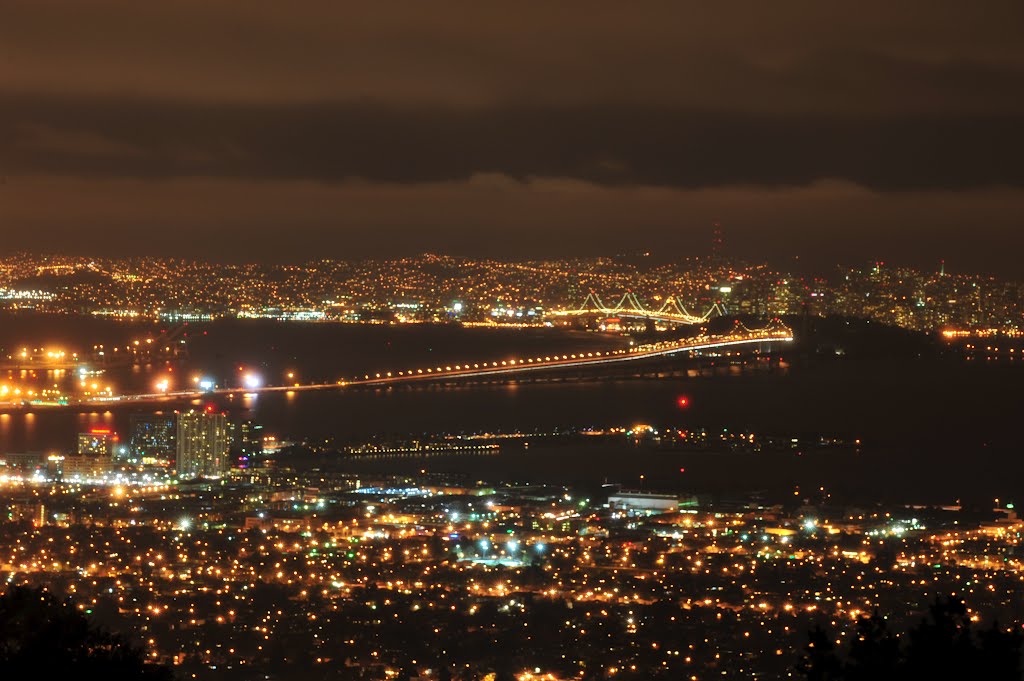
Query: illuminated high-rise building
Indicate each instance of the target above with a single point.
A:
(202, 445)
(152, 438)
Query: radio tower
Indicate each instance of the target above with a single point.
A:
(716, 240)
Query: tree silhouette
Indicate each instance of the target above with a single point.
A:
(942, 646)
(44, 637)
(820, 661)
(874, 651)
(943, 643)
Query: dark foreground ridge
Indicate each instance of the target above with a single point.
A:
(44, 637)
(944, 645)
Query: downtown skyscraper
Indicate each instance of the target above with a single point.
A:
(202, 445)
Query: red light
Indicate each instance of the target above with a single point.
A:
(683, 401)
(682, 470)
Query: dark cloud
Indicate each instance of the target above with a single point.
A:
(611, 144)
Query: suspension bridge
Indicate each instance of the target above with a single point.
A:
(630, 306)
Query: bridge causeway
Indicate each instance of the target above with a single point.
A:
(773, 333)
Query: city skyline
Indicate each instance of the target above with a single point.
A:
(438, 288)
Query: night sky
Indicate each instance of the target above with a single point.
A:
(270, 130)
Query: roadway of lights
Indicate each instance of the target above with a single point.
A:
(483, 369)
